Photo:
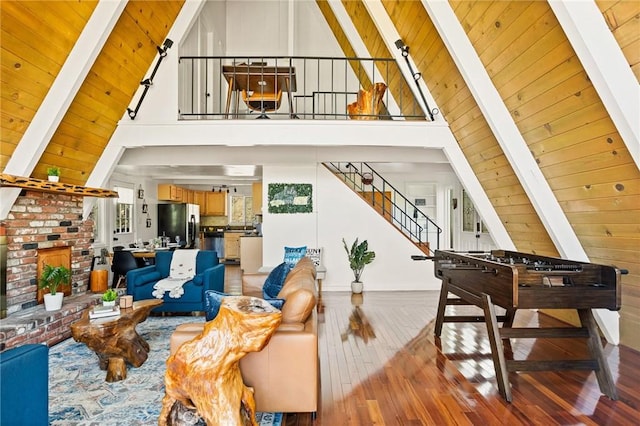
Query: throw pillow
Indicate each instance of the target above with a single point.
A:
(275, 280)
(212, 302)
(293, 254)
(276, 303)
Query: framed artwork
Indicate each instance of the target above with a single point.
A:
(471, 221)
(290, 198)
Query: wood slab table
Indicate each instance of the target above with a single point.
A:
(115, 339)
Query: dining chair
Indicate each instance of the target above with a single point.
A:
(123, 262)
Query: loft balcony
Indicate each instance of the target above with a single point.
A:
(296, 87)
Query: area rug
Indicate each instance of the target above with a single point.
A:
(79, 394)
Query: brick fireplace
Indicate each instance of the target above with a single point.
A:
(40, 222)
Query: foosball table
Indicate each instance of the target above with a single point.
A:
(514, 280)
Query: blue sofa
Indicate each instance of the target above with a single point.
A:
(24, 385)
(209, 276)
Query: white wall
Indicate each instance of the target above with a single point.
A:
(338, 213)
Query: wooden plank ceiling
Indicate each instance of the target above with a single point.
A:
(37, 37)
(525, 52)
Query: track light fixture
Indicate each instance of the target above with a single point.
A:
(404, 50)
(148, 82)
(223, 188)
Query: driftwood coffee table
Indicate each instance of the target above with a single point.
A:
(115, 339)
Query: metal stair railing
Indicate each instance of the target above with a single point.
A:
(391, 203)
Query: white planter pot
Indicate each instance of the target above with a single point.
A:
(356, 287)
(54, 178)
(112, 303)
(53, 302)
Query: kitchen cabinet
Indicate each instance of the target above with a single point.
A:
(215, 204)
(250, 254)
(198, 198)
(168, 192)
(256, 189)
(232, 245)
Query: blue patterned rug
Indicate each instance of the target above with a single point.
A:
(79, 394)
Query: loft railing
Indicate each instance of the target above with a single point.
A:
(390, 202)
(211, 87)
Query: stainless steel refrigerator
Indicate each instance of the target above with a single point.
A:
(182, 220)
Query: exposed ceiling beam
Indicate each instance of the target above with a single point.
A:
(60, 95)
(358, 46)
(114, 149)
(513, 145)
(457, 159)
(390, 35)
(606, 66)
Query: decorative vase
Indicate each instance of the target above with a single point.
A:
(53, 302)
(54, 178)
(109, 303)
(356, 287)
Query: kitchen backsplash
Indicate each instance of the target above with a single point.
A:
(213, 221)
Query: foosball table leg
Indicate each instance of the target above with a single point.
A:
(603, 374)
(442, 305)
(497, 349)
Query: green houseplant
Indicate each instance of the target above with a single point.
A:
(53, 173)
(51, 278)
(109, 297)
(359, 256)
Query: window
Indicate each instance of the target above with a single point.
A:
(124, 210)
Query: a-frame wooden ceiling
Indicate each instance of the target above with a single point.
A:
(526, 54)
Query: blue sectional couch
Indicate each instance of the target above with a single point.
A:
(209, 276)
(24, 386)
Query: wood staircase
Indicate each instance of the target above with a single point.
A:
(386, 201)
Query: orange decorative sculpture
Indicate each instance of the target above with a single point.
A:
(204, 373)
(367, 107)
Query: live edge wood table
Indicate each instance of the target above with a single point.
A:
(115, 339)
(514, 280)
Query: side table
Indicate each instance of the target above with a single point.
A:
(115, 339)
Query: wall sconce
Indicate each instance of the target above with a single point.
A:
(140, 192)
(404, 50)
(148, 221)
(145, 207)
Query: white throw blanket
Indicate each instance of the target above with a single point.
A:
(182, 269)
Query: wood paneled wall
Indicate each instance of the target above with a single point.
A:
(105, 94)
(623, 19)
(568, 130)
(471, 130)
(37, 37)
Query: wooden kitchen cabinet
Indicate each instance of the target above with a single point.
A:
(215, 204)
(198, 198)
(232, 245)
(168, 192)
(256, 192)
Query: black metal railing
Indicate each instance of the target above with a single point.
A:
(217, 87)
(391, 203)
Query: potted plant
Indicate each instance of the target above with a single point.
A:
(53, 173)
(109, 297)
(359, 257)
(51, 278)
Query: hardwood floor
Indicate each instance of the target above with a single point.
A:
(381, 364)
